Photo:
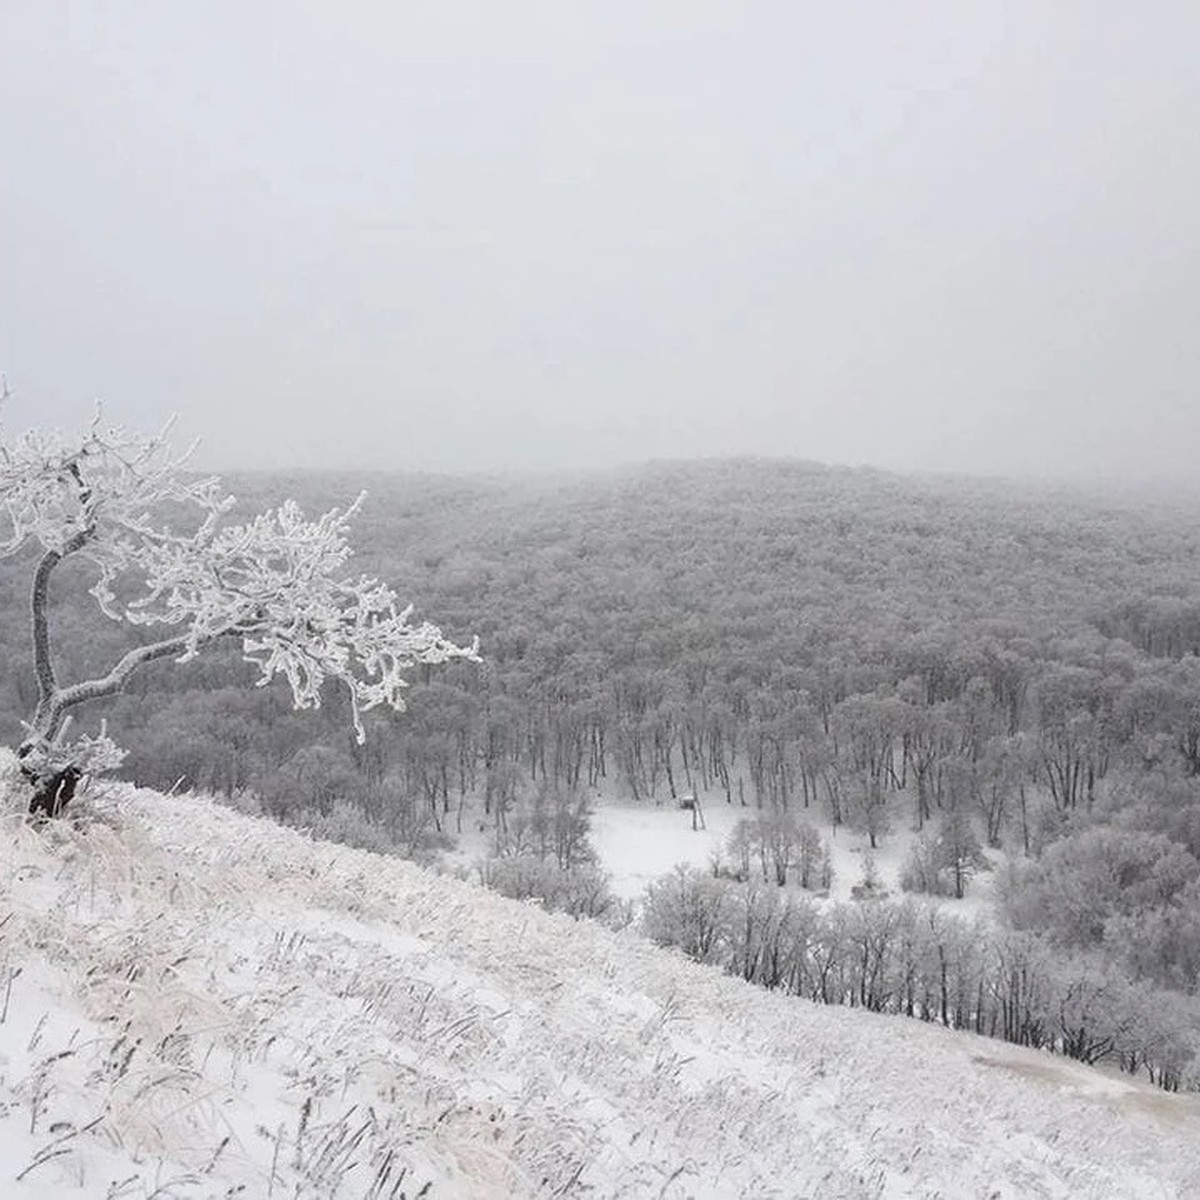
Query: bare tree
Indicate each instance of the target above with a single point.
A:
(274, 583)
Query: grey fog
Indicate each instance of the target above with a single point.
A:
(474, 236)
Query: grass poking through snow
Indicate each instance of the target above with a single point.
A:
(199, 1004)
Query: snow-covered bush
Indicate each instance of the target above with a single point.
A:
(922, 869)
(552, 823)
(543, 852)
(579, 891)
(775, 844)
(687, 909)
(348, 824)
(940, 862)
(869, 886)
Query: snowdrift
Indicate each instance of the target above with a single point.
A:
(194, 1002)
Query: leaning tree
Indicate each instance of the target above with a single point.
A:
(121, 503)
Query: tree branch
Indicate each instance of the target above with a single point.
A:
(61, 702)
(276, 581)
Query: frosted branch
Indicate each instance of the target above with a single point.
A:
(276, 582)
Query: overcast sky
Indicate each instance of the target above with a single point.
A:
(448, 235)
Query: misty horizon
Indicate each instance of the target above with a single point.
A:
(466, 241)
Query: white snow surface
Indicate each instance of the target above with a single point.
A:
(195, 1003)
(638, 843)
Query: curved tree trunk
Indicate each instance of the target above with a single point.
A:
(53, 780)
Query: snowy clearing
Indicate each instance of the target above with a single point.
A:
(638, 843)
(193, 1002)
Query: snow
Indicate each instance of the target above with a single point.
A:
(638, 843)
(193, 1001)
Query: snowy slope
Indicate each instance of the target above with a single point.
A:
(193, 1002)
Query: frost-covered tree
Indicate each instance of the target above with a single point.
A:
(163, 556)
(687, 909)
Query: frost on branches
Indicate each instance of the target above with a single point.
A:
(275, 583)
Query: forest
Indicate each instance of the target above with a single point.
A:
(983, 665)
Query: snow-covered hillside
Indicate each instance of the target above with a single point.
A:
(193, 1002)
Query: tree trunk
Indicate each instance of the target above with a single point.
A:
(53, 790)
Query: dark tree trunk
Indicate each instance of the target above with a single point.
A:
(52, 792)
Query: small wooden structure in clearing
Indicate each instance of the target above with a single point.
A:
(691, 802)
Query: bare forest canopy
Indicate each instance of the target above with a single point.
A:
(785, 633)
(665, 620)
